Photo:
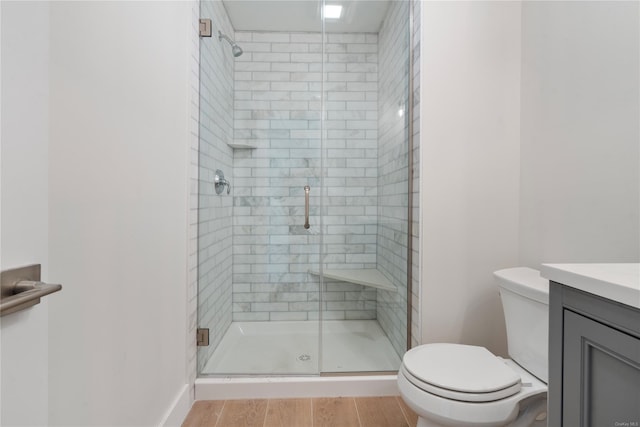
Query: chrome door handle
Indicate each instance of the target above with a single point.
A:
(22, 288)
(306, 206)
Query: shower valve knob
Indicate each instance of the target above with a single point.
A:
(220, 182)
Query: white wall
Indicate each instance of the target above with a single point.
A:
(470, 101)
(24, 212)
(118, 194)
(580, 132)
(531, 152)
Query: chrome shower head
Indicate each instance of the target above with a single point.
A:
(235, 49)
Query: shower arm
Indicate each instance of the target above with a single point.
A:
(235, 49)
(224, 36)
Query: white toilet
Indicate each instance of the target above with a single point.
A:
(462, 385)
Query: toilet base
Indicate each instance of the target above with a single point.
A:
(534, 415)
(426, 423)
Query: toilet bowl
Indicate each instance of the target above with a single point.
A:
(462, 385)
(493, 395)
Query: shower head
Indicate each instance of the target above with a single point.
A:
(235, 49)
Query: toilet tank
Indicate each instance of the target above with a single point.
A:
(525, 301)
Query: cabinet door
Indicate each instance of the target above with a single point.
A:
(601, 374)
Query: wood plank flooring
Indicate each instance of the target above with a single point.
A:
(388, 411)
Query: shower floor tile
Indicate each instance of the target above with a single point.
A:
(292, 348)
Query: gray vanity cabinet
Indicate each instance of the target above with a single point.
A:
(594, 361)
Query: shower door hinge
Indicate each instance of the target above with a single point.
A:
(205, 28)
(202, 337)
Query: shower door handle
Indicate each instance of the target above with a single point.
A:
(306, 206)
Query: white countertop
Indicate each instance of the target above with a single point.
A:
(617, 282)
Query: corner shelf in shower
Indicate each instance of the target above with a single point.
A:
(241, 145)
(363, 276)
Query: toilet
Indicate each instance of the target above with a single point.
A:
(464, 385)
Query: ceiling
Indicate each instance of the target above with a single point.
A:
(358, 16)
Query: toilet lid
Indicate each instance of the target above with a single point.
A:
(461, 368)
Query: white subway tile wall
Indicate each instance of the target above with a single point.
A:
(277, 109)
(215, 211)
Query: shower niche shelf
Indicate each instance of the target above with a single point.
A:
(241, 145)
(363, 276)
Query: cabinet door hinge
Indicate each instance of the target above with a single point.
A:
(202, 337)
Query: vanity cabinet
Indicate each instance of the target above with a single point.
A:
(594, 360)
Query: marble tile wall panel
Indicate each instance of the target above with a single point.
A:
(277, 109)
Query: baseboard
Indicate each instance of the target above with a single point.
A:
(288, 387)
(179, 408)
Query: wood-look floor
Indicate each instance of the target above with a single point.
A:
(389, 411)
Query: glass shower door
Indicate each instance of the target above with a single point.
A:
(295, 110)
(260, 120)
(365, 211)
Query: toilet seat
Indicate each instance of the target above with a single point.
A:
(452, 412)
(460, 372)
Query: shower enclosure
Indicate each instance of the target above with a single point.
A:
(303, 186)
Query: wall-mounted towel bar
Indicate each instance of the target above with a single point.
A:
(21, 288)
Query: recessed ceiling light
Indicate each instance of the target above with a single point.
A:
(332, 11)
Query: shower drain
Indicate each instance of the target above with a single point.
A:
(304, 358)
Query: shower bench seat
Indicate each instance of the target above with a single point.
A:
(364, 276)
